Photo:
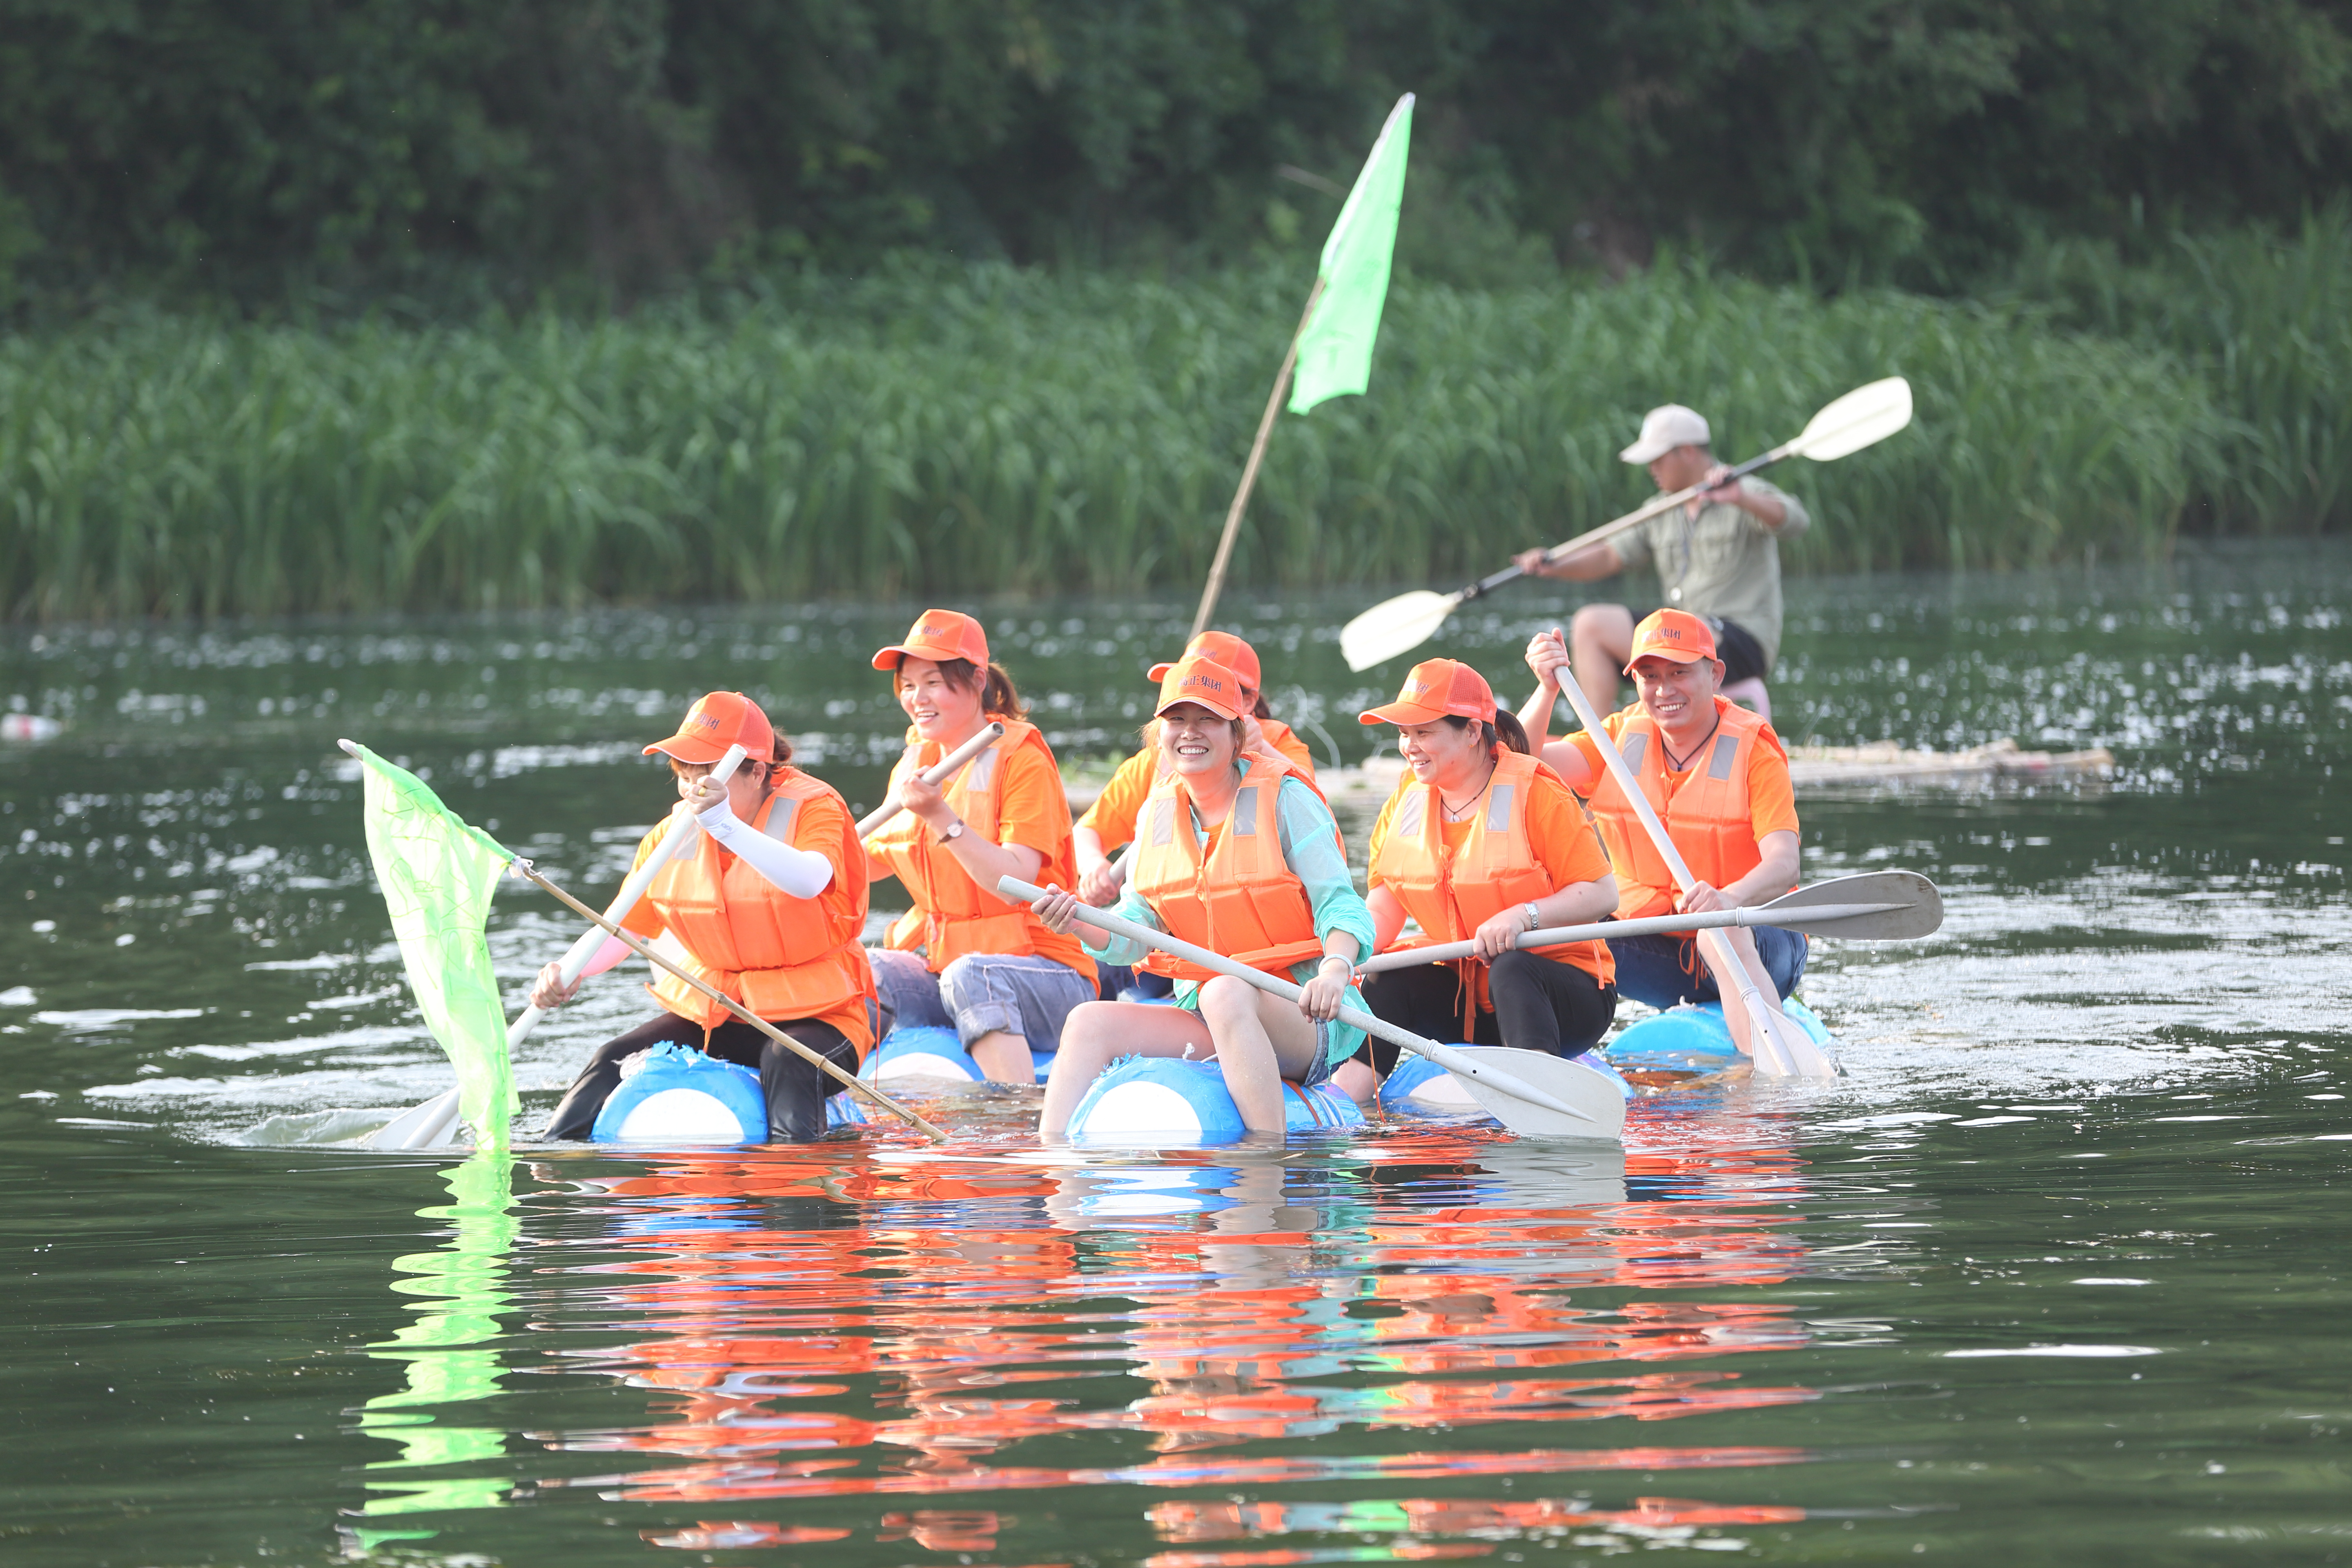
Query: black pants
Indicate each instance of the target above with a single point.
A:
(796, 1090)
(1540, 1005)
(1742, 654)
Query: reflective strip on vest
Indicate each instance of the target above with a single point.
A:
(1707, 811)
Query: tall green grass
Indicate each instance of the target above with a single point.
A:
(950, 432)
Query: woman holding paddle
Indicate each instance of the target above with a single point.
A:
(1238, 854)
(963, 956)
(768, 909)
(1481, 841)
(1110, 823)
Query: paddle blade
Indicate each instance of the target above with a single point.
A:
(1863, 418)
(1394, 626)
(1572, 1083)
(1909, 905)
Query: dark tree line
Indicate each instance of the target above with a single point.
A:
(247, 148)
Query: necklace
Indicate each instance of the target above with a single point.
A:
(1456, 812)
(1676, 764)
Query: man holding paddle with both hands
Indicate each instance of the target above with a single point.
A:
(1718, 556)
(1718, 778)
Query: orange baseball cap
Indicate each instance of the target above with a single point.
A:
(1223, 647)
(716, 721)
(1677, 635)
(938, 635)
(1193, 678)
(1437, 689)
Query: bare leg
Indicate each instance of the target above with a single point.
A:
(1600, 641)
(1261, 1040)
(1751, 692)
(1358, 1081)
(1096, 1034)
(1003, 1059)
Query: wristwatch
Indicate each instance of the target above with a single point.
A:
(1535, 918)
(954, 832)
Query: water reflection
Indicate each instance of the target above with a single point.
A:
(936, 1324)
(447, 1353)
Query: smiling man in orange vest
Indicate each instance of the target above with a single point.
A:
(1718, 778)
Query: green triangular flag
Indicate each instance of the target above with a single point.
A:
(438, 874)
(1335, 349)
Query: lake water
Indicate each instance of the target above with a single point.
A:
(2055, 1275)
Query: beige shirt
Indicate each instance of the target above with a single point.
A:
(1722, 562)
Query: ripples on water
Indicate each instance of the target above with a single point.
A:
(2054, 1274)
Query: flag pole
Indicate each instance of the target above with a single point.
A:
(1249, 469)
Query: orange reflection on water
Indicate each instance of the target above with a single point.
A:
(930, 1316)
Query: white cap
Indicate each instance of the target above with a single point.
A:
(1663, 430)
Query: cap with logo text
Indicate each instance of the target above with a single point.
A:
(1213, 685)
(1677, 635)
(1437, 689)
(716, 721)
(1226, 650)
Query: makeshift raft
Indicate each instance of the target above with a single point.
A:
(1366, 786)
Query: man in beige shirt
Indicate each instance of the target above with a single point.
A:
(1718, 556)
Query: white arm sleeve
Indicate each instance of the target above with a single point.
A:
(803, 873)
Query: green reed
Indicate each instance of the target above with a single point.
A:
(953, 432)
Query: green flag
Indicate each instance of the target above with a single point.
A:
(438, 874)
(1335, 349)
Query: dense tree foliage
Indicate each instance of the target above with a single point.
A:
(250, 146)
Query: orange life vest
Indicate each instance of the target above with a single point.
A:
(1238, 895)
(954, 915)
(1705, 810)
(1450, 896)
(779, 956)
(1283, 739)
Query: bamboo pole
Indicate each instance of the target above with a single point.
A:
(1249, 469)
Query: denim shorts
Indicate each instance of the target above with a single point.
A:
(982, 994)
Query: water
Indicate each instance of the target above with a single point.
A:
(2055, 1275)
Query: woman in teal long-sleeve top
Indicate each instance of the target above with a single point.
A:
(1201, 839)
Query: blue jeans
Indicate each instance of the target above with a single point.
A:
(982, 994)
(1658, 970)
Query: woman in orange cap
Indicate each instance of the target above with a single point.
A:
(1238, 854)
(768, 909)
(1481, 841)
(963, 956)
(1110, 822)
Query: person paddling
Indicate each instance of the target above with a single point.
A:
(768, 909)
(1238, 854)
(1717, 557)
(1718, 778)
(962, 956)
(1110, 823)
(1482, 840)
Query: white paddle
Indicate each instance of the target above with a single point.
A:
(1781, 1050)
(1873, 905)
(1572, 1101)
(435, 1123)
(1863, 418)
(938, 774)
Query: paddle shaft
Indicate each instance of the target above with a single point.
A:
(644, 951)
(682, 832)
(1601, 931)
(1453, 1061)
(938, 774)
(1249, 469)
(1656, 506)
(1717, 946)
